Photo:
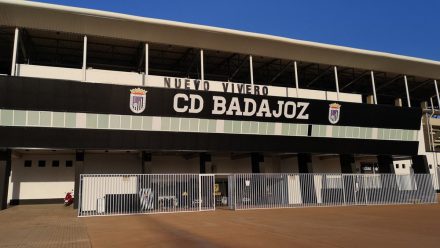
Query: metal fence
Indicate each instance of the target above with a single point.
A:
(436, 179)
(254, 191)
(141, 194)
(124, 194)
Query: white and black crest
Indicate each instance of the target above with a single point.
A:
(137, 100)
(334, 112)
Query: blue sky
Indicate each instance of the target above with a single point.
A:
(402, 27)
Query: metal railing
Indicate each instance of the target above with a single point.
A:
(125, 194)
(436, 179)
(254, 191)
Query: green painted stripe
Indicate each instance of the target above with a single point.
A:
(176, 124)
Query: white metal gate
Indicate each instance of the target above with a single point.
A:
(122, 194)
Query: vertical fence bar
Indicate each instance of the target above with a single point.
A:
(120, 194)
(200, 194)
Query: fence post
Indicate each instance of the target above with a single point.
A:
(353, 177)
(343, 188)
(200, 192)
(79, 195)
(235, 192)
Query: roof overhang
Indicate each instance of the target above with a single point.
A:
(113, 25)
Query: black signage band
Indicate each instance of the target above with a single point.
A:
(68, 96)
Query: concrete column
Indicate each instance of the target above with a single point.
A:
(385, 163)
(347, 163)
(146, 163)
(398, 102)
(79, 169)
(251, 68)
(337, 82)
(256, 159)
(14, 53)
(84, 64)
(305, 163)
(408, 99)
(296, 78)
(204, 159)
(202, 66)
(5, 173)
(373, 86)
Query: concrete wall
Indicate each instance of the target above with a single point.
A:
(40, 182)
(174, 164)
(224, 164)
(327, 165)
(289, 165)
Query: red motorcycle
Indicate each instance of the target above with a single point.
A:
(68, 199)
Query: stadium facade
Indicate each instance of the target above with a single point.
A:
(93, 92)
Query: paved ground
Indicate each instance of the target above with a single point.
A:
(42, 226)
(361, 226)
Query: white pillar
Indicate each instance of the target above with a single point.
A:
(251, 69)
(14, 53)
(436, 92)
(407, 91)
(146, 60)
(202, 67)
(337, 82)
(296, 78)
(373, 84)
(84, 66)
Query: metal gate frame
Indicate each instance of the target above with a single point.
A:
(128, 194)
(209, 204)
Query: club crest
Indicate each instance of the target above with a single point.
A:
(137, 100)
(334, 112)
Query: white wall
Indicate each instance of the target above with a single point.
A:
(40, 182)
(401, 170)
(114, 77)
(137, 79)
(39, 71)
(108, 163)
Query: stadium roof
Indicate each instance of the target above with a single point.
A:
(81, 21)
(109, 24)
